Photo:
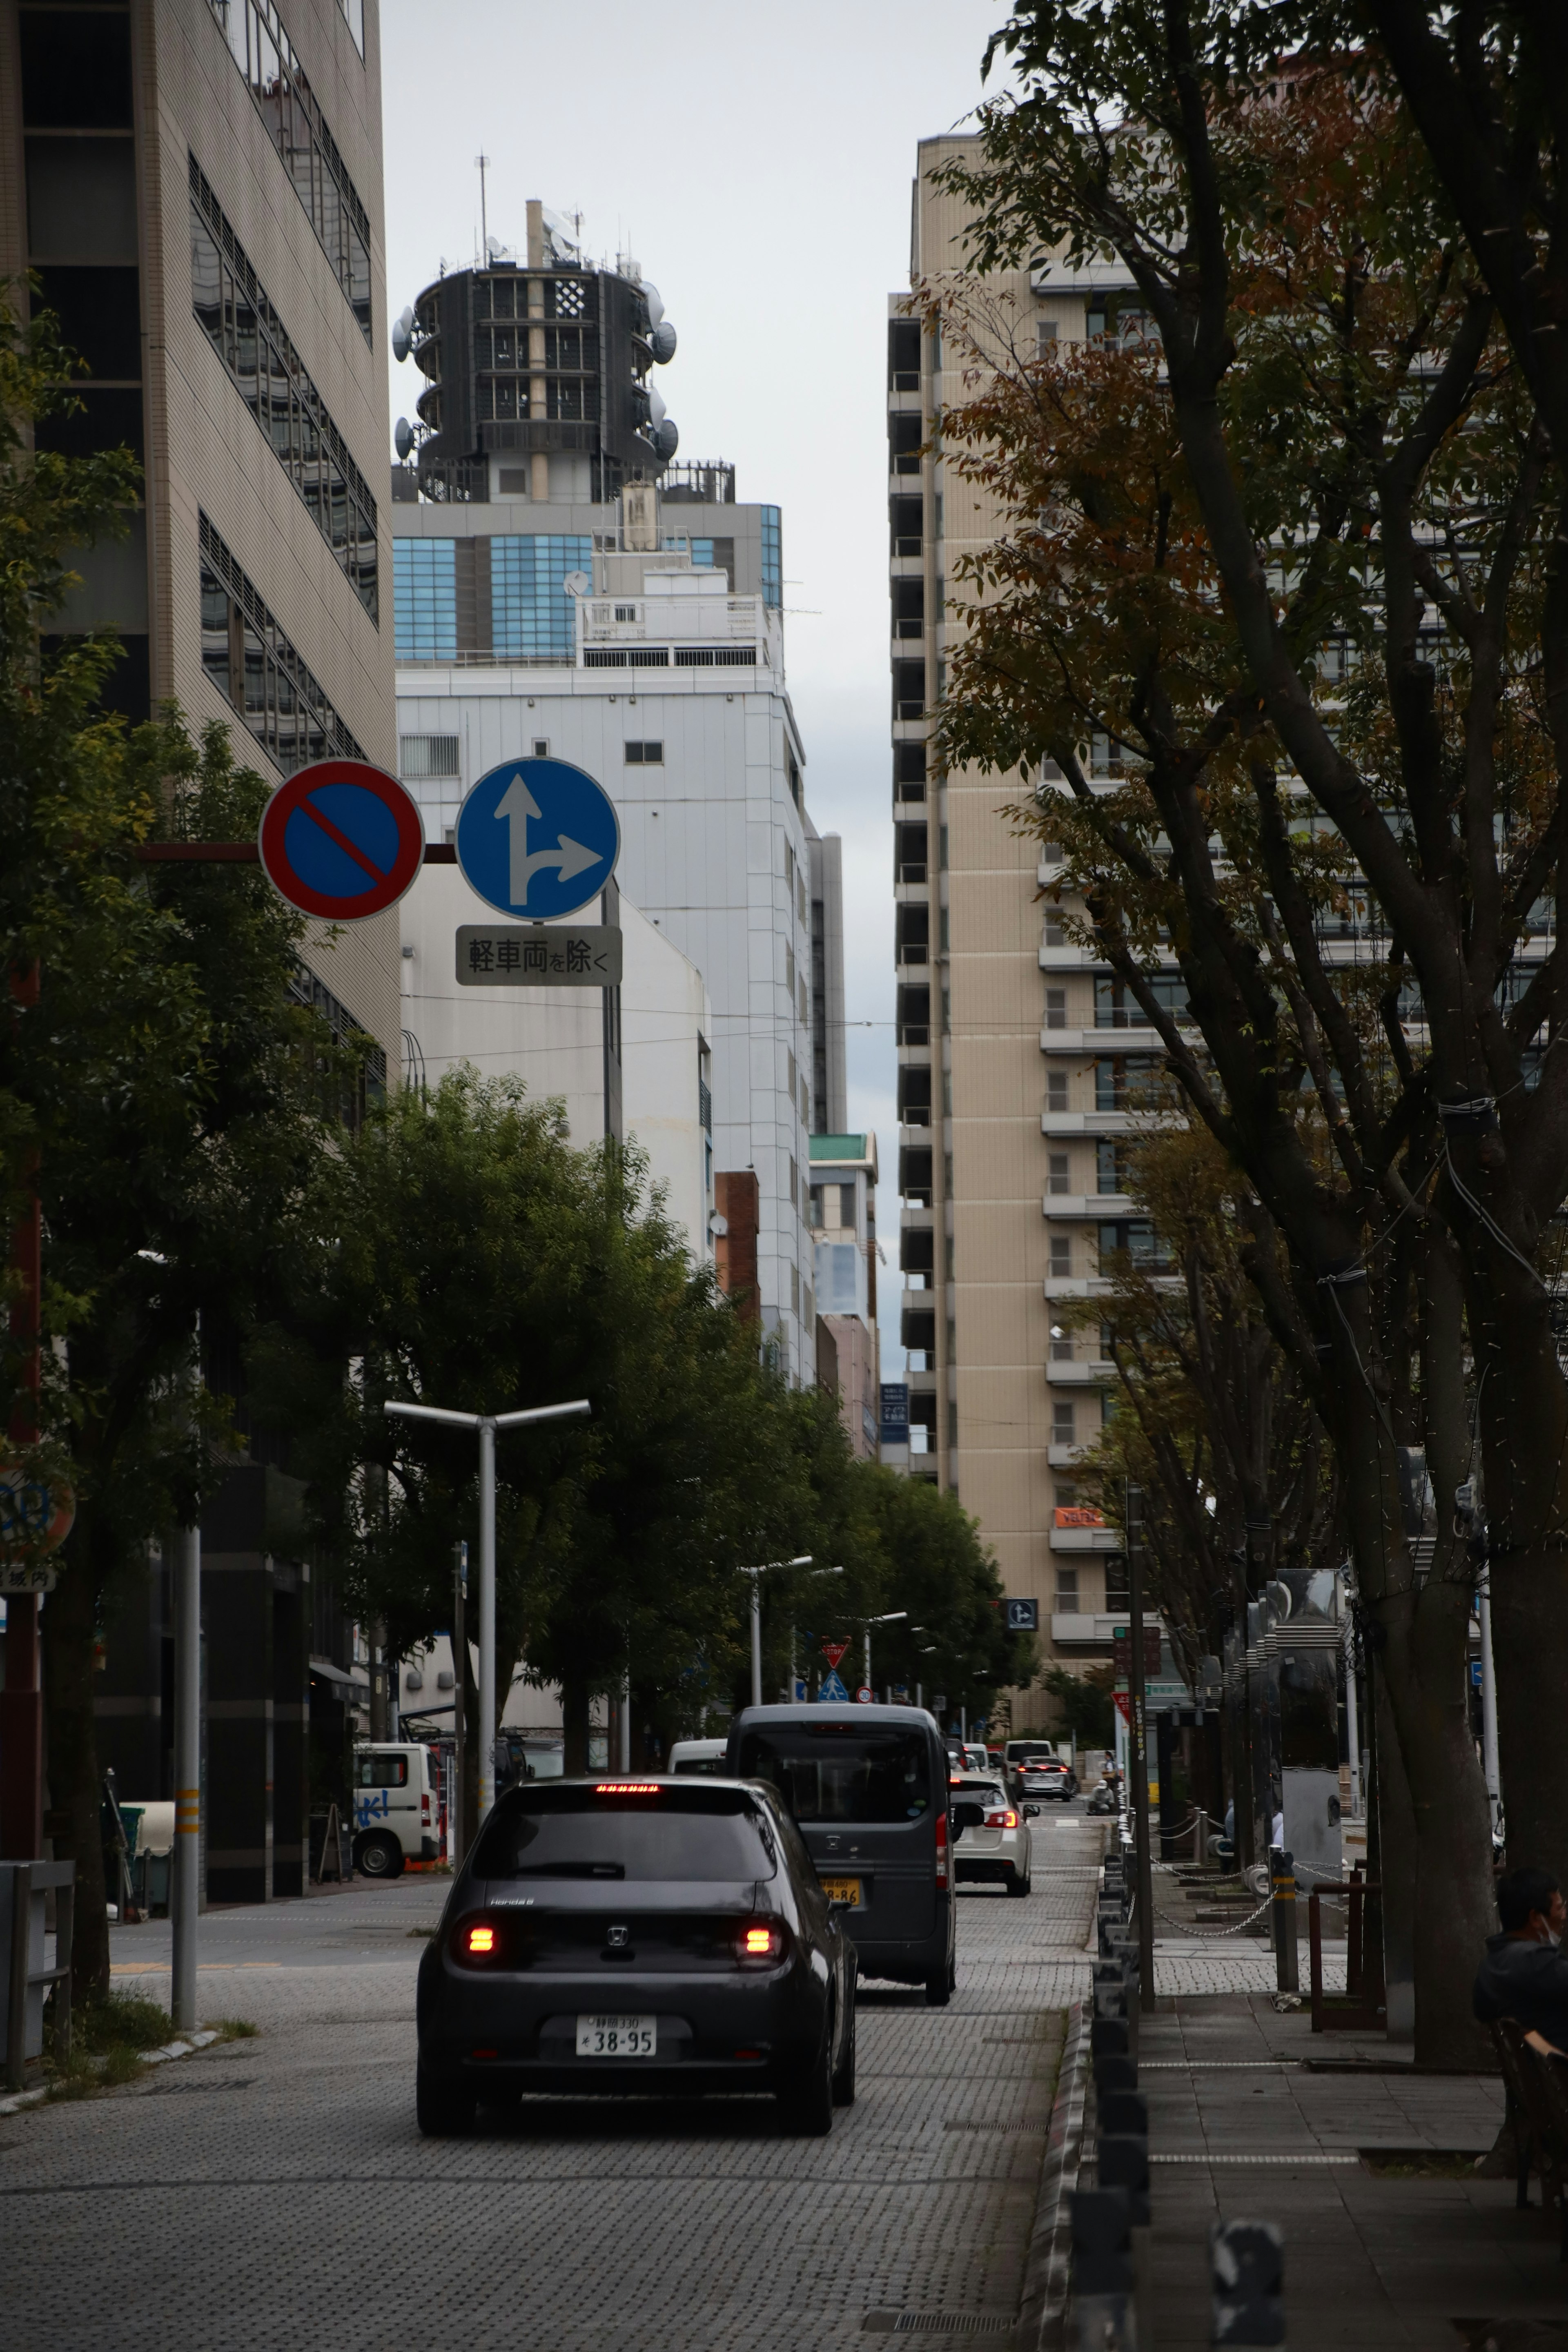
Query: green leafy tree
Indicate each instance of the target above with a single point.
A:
(1227, 531)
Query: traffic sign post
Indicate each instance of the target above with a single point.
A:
(342, 840)
(864, 1695)
(537, 837)
(833, 1691)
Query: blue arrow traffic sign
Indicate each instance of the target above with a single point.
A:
(833, 1691)
(538, 838)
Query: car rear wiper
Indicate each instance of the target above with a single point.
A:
(571, 1870)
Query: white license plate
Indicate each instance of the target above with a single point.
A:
(616, 2037)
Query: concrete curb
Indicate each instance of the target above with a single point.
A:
(183, 2049)
(1046, 2270)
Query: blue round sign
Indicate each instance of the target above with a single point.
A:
(537, 838)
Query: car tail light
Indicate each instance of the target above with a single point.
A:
(424, 1812)
(760, 1939)
(941, 1848)
(1008, 1820)
(478, 1942)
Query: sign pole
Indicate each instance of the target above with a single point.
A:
(486, 1616)
(185, 1892)
(1138, 1764)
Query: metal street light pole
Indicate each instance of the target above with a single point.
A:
(892, 1618)
(757, 1575)
(1138, 1765)
(487, 1424)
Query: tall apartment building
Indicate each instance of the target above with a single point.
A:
(196, 186)
(1015, 1054)
(564, 589)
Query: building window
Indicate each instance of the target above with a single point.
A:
(1061, 1346)
(1059, 1179)
(287, 104)
(1067, 1600)
(1061, 1257)
(1055, 1008)
(255, 668)
(1116, 1007)
(530, 612)
(793, 774)
(250, 338)
(1055, 1090)
(427, 759)
(424, 599)
(794, 1289)
(773, 559)
(1112, 1079)
(354, 1095)
(1063, 1417)
(1109, 1167)
(644, 755)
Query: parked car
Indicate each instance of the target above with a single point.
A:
(397, 1808)
(702, 1755)
(636, 1936)
(1045, 1779)
(991, 1833)
(869, 1786)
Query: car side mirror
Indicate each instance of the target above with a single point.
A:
(967, 1815)
(1031, 1812)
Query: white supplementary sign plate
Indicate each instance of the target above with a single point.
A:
(616, 2037)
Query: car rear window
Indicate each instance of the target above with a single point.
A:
(837, 1773)
(383, 1771)
(685, 1832)
(978, 1792)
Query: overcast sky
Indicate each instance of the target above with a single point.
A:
(758, 165)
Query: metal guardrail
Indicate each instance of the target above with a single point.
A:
(29, 1881)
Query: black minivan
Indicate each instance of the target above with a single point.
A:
(869, 1786)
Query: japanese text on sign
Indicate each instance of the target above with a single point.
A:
(557, 955)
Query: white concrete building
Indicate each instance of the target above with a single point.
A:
(660, 670)
(645, 1077)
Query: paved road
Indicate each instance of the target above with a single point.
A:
(267, 2192)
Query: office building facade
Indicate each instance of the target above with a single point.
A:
(196, 186)
(844, 1221)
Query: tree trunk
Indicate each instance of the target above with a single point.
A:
(1420, 1641)
(574, 1705)
(69, 1631)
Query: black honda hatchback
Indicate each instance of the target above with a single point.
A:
(665, 1935)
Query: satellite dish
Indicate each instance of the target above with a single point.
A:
(656, 407)
(667, 438)
(577, 584)
(662, 340)
(403, 438)
(650, 295)
(406, 317)
(401, 345)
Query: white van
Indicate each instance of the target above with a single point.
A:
(397, 1814)
(706, 1756)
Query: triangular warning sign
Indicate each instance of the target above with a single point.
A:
(833, 1651)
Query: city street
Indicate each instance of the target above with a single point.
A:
(268, 2187)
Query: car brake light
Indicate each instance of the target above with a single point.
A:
(481, 1940)
(627, 1787)
(1008, 1820)
(425, 1811)
(760, 1942)
(942, 1849)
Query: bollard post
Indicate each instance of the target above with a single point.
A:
(1247, 2277)
(1282, 1884)
(1201, 1840)
(1102, 2274)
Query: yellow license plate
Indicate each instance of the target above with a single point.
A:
(843, 1890)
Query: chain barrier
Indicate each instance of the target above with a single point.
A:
(1209, 1933)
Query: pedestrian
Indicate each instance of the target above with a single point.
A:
(1524, 1974)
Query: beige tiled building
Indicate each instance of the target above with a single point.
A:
(1010, 1077)
(197, 185)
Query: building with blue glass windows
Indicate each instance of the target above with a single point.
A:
(643, 640)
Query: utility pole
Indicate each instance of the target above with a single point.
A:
(185, 1892)
(1138, 1764)
(893, 1617)
(486, 1424)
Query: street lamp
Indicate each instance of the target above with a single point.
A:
(757, 1575)
(892, 1618)
(487, 1424)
